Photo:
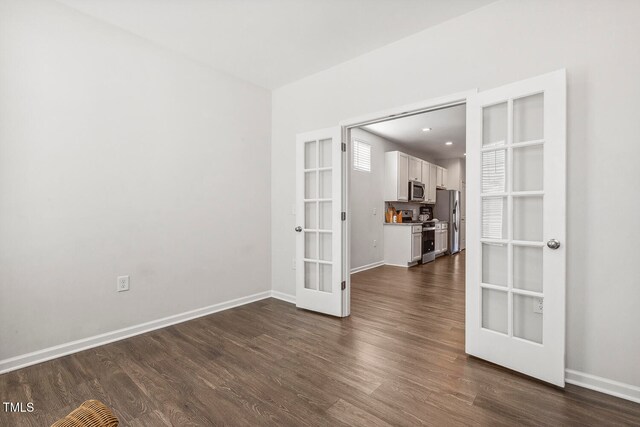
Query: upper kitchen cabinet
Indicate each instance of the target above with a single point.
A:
(415, 169)
(441, 177)
(429, 181)
(433, 178)
(400, 168)
(396, 176)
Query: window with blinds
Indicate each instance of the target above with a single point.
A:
(361, 156)
(493, 181)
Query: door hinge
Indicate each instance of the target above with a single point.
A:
(344, 147)
(344, 216)
(343, 285)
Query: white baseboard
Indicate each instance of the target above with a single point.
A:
(397, 265)
(284, 297)
(603, 385)
(40, 356)
(367, 267)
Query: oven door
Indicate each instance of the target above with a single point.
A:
(428, 244)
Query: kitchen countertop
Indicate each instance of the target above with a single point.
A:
(403, 223)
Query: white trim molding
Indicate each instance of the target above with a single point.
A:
(283, 297)
(603, 385)
(367, 267)
(54, 352)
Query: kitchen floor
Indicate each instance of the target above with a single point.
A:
(397, 360)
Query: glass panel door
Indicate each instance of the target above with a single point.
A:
(516, 174)
(318, 254)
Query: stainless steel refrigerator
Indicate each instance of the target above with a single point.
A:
(448, 209)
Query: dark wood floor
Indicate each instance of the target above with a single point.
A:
(398, 360)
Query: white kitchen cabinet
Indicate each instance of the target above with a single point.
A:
(416, 246)
(429, 192)
(415, 169)
(424, 169)
(440, 177)
(402, 244)
(400, 168)
(441, 238)
(396, 176)
(445, 177)
(433, 172)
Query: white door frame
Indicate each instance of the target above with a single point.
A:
(380, 116)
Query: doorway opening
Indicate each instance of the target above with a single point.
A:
(406, 186)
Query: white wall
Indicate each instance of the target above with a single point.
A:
(596, 41)
(119, 157)
(367, 193)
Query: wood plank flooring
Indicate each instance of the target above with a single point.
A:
(398, 360)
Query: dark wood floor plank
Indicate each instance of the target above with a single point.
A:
(398, 360)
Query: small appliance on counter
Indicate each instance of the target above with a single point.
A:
(407, 215)
(426, 213)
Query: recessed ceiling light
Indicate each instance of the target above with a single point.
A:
(448, 143)
(426, 129)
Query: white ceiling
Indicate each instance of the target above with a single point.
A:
(448, 124)
(274, 42)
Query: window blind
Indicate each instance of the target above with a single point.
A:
(361, 156)
(493, 181)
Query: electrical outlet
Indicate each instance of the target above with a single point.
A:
(123, 283)
(375, 243)
(538, 305)
(293, 263)
(375, 211)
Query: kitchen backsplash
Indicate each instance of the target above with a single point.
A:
(409, 206)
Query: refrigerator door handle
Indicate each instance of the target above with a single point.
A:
(455, 216)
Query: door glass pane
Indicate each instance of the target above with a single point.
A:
(310, 185)
(325, 246)
(310, 215)
(527, 317)
(494, 264)
(527, 218)
(527, 168)
(494, 218)
(527, 268)
(325, 184)
(310, 245)
(325, 277)
(325, 153)
(494, 125)
(494, 310)
(310, 154)
(494, 171)
(528, 118)
(311, 275)
(325, 215)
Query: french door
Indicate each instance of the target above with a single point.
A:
(516, 173)
(320, 222)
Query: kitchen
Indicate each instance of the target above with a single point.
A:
(412, 170)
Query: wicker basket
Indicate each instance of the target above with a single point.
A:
(91, 413)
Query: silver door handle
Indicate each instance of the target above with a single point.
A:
(553, 244)
(298, 229)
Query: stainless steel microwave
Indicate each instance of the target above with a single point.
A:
(416, 191)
